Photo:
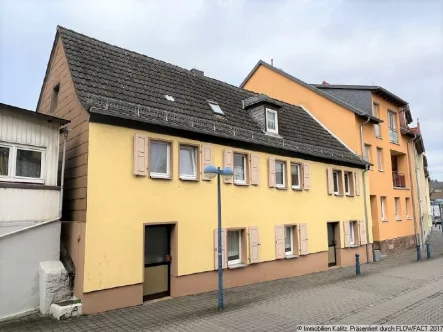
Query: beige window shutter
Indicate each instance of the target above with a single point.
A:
(347, 233)
(303, 239)
(362, 232)
(255, 169)
(228, 161)
(351, 183)
(271, 172)
(306, 176)
(280, 241)
(330, 181)
(206, 159)
(224, 248)
(357, 183)
(254, 245)
(140, 155)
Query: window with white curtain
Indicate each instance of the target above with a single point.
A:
(295, 176)
(188, 162)
(234, 247)
(348, 183)
(289, 241)
(240, 168)
(280, 174)
(352, 230)
(21, 163)
(160, 159)
(271, 121)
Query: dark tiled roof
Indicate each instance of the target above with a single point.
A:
(361, 99)
(312, 87)
(105, 70)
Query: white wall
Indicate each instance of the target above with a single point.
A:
(20, 255)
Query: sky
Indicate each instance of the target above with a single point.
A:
(396, 44)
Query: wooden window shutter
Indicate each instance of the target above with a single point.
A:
(306, 176)
(357, 183)
(255, 169)
(206, 160)
(271, 172)
(228, 161)
(361, 226)
(330, 181)
(347, 233)
(224, 248)
(254, 245)
(351, 177)
(280, 241)
(303, 239)
(140, 155)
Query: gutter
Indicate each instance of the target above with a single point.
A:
(364, 190)
(418, 185)
(64, 131)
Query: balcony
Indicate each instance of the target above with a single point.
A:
(399, 180)
(393, 135)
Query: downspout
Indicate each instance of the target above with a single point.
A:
(64, 131)
(412, 193)
(418, 187)
(364, 191)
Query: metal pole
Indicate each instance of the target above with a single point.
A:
(418, 252)
(366, 215)
(357, 264)
(219, 240)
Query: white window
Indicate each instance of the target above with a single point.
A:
(216, 108)
(289, 241)
(348, 183)
(188, 162)
(336, 179)
(295, 176)
(352, 229)
(280, 174)
(392, 122)
(377, 130)
(407, 208)
(271, 121)
(240, 170)
(367, 153)
(397, 208)
(380, 159)
(160, 159)
(21, 163)
(234, 247)
(383, 208)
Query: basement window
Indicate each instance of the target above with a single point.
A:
(215, 107)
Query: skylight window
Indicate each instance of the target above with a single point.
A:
(170, 98)
(216, 107)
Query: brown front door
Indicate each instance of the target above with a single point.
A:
(332, 255)
(157, 265)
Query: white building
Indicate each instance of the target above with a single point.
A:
(30, 203)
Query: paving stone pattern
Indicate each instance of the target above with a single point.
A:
(397, 290)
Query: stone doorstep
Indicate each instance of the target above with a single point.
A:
(66, 309)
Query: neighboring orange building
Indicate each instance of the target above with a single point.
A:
(373, 122)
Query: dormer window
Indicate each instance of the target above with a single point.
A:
(271, 121)
(216, 108)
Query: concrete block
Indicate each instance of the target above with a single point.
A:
(66, 309)
(54, 284)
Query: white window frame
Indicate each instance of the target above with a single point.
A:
(383, 208)
(166, 175)
(347, 179)
(397, 208)
(194, 161)
(275, 131)
(367, 152)
(283, 185)
(407, 207)
(291, 232)
(12, 163)
(392, 115)
(245, 168)
(299, 176)
(234, 261)
(380, 159)
(337, 173)
(352, 226)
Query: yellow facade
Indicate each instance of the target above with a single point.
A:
(119, 204)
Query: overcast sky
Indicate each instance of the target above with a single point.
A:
(394, 44)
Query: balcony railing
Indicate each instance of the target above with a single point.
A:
(393, 135)
(398, 180)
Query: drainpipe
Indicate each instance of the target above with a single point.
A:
(418, 187)
(364, 190)
(412, 191)
(64, 131)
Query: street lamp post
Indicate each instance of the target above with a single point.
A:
(211, 172)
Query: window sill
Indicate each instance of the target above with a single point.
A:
(241, 184)
(22, 185)
(188, 179)
(236, 266)
(354, 246)
(21, 180)
(409, 218)
(296, 188)
(379, 137)
(384, 220)
(339, 195)
(349, 195)
(380, 170)
(290, 256)
(400, 188)
(397, 219)
(396, 143)
(160, 177)
(281, 188)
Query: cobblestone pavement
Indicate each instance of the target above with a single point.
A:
(397, 290)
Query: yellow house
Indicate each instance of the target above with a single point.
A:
(373, 122)
(143, 215)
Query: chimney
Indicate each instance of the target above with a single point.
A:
(272, 62)
(197, 72)
(325, 83)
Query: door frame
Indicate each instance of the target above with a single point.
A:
(335, 228)
(173, 252)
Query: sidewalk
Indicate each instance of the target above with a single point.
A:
(393, 291)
